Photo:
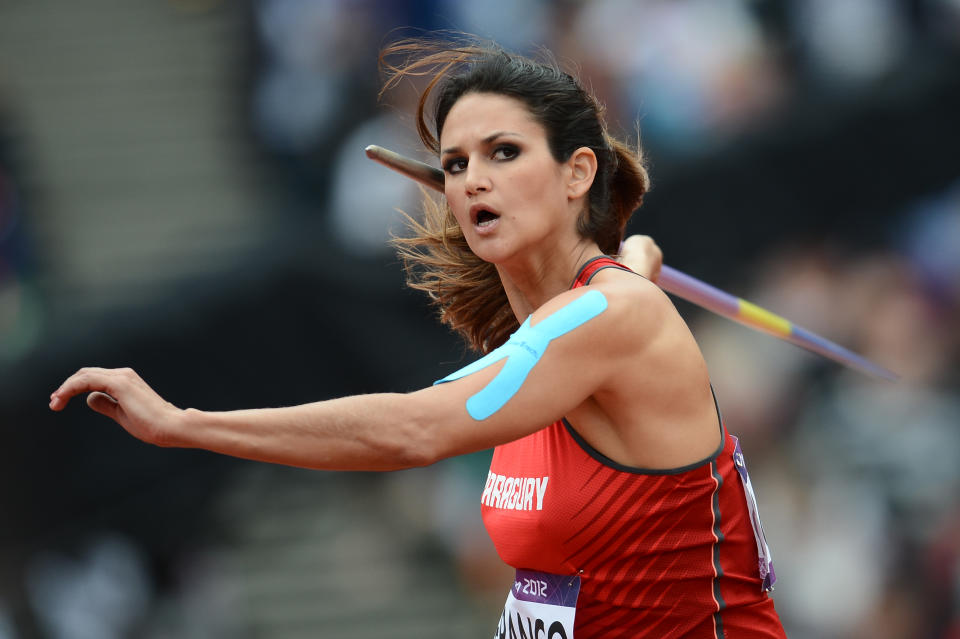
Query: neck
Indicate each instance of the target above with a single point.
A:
(532, 280)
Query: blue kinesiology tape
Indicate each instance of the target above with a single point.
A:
(522, 351)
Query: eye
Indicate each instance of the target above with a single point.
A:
(455, 165)
(505, 152)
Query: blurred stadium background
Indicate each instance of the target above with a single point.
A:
(183, 190)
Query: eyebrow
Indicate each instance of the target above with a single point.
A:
(487, 140)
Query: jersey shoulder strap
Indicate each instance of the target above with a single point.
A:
(591, 268)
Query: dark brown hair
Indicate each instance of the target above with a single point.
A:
(438, 261)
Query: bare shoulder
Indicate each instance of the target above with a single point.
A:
(633, 311)
(649, 337)
(650, 406)
(631, 292)
(634, 302)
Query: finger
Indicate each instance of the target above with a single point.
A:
(86, 380)
(657, 265)
(103, 404)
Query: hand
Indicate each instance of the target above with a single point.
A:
(642, 255)
(124, 397)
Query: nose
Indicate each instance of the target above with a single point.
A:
(477, 181)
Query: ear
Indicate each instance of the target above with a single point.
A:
(582, 168)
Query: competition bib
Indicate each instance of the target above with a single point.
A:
(540, 605)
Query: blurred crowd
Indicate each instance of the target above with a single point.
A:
(20, 309)
(858, 480)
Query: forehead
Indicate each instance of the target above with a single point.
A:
(480, 114)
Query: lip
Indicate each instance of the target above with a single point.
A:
(475, 212)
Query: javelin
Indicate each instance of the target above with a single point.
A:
(683, 286)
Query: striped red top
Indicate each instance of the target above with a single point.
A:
(660, 553)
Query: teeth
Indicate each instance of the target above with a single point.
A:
(486, 218)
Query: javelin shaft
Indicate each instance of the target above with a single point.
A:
(683, 286)
(740, 310)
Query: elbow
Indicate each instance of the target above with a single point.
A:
(403, 453)
(418, 438)
(415, 458)
(417, 446)
(418, 430)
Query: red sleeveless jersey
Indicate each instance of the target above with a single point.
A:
(660, 553)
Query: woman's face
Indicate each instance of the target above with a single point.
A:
(505, 189)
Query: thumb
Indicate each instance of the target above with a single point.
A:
(103, 404)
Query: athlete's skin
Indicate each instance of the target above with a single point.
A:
(641, 394)
(522, 352)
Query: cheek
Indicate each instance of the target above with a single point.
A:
(541, 193)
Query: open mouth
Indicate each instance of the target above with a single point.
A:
(486, 218)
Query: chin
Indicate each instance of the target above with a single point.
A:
(491, 251)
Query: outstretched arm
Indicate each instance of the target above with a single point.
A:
(373, 432)
(390, 430)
